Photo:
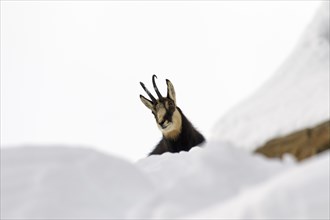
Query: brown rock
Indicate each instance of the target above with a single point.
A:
(301, 144)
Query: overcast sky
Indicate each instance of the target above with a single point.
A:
(70, 71)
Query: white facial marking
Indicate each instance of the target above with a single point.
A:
(160, 114)
(173, 129)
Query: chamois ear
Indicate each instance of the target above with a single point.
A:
(146, 102)
(170, 91)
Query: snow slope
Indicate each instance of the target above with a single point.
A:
(41, 183)
(299, 193)
(219, 180)
(70, 183)
(297, 96)
(203, 177)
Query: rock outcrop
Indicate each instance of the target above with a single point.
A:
(301, 144)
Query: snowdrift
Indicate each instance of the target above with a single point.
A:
(220, 180)
(68, 183)
(296, 97)
(287, 196)
(200, 178)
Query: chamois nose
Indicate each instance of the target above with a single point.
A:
(162, 124)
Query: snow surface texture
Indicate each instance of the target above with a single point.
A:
(219, 180)
(69, 183)
(203, 177)
(297, 96)
(289, 195)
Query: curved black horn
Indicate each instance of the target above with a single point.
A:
(155, 87)
(149, 94)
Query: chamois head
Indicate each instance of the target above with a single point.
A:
(164, 109)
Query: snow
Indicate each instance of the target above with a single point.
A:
(297, 96)
(66, 182)
(215, 181)
(299, 193)
(222, 179)
(201, 178)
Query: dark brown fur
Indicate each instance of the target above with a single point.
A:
(188, 138)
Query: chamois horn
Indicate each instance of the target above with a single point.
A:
(155, 87)
(149, 94)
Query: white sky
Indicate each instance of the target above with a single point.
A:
(70, 71)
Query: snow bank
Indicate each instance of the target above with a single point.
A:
(299, 193)
(192, 181)
(216, 181)
(296, 97)
(59, 182)
(68, 183)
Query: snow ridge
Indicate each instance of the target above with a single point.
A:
(296, 97)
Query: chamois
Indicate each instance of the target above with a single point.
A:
(178, 133)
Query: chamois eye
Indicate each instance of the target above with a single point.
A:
(171, 104)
